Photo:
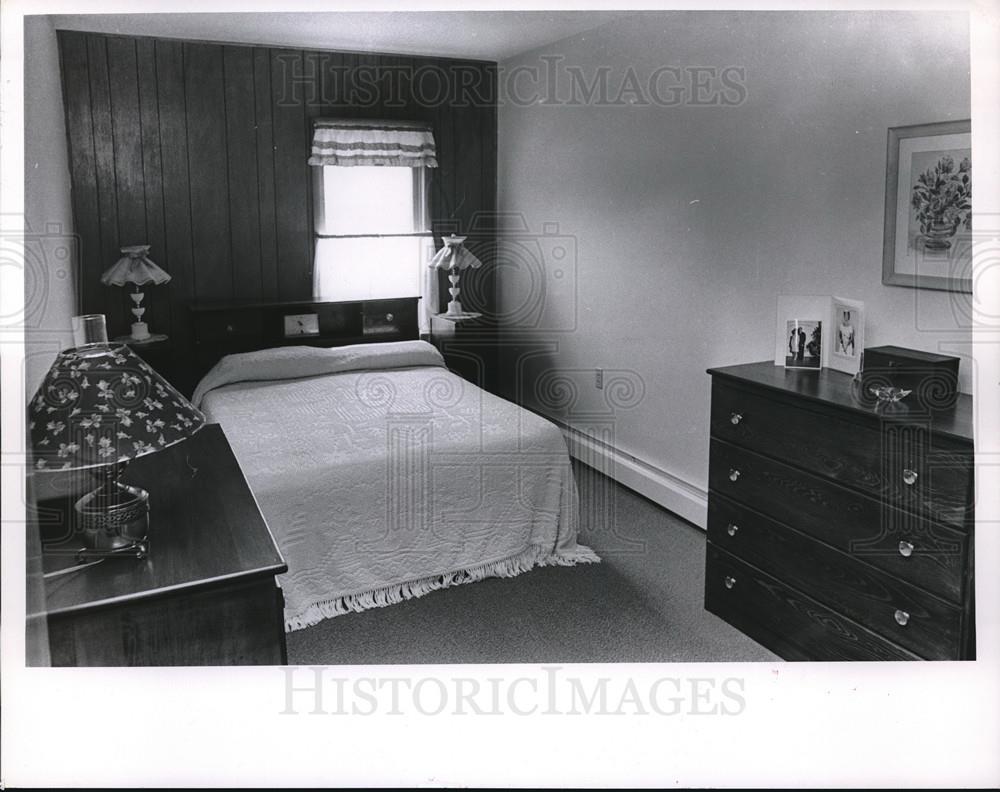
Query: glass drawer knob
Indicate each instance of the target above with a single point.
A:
(389, 317)
(229, 328)
(735, 418)
(732, 528)
(733, 474)
(909, 477)
(906, 549)
(731, 581)
(902, 617)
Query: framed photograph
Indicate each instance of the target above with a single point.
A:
(803, 343)
(301, 325)
(800, 329)
(847, 334)
(928, 207)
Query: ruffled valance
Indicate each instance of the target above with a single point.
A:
(354, 142)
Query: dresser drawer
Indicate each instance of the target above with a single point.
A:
(795, 626)
(930, 475)
(898, 462)
(928, 556)
(847, 520)
(905, 614)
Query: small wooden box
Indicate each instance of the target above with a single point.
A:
(933, 378)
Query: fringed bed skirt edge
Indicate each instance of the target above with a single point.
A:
(397, 592)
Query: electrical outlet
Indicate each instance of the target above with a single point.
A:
(599, 379)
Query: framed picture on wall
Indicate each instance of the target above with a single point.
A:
(927, 242)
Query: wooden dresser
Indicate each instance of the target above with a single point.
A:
(206, 595)
(838, 530)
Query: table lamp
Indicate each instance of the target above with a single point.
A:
(454, 257)
(137, 268)
(99, 407)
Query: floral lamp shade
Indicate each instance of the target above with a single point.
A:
(102, 404)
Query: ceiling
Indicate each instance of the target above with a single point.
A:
(485, 35)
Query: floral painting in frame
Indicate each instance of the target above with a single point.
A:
(928, 207)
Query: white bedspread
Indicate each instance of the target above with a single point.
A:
(383, 476)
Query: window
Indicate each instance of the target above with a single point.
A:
(372, 231)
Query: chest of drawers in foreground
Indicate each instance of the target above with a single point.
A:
(837, 530)
(207, 594)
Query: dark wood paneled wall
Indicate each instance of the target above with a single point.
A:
(200, 150)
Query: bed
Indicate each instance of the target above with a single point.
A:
(384, 476)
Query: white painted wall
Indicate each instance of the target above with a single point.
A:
(51, 255)
(689, 221)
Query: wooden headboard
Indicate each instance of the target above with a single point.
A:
(224, 328)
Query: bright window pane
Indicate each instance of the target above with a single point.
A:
(367, 200)
(369, 268)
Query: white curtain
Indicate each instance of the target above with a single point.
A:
(355, 142)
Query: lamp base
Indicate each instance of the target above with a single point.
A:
(140, 331)
(114, 519)
(455, 308)
(137, 550)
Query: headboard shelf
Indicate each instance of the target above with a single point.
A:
(221, 329)
(247, 305)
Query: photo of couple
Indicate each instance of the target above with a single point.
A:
(805, 343)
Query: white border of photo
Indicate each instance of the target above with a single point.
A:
(849, 364)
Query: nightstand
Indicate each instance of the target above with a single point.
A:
(468, 345)
(158, 352)
(154, 338)
(207, 593)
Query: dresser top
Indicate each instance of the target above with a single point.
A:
(204, 528)
(836, 388)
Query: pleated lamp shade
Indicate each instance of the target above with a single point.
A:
(454, 255)
(134, 267)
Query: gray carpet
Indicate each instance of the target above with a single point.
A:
(642, 604)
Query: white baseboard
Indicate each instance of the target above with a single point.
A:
(665, 489)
